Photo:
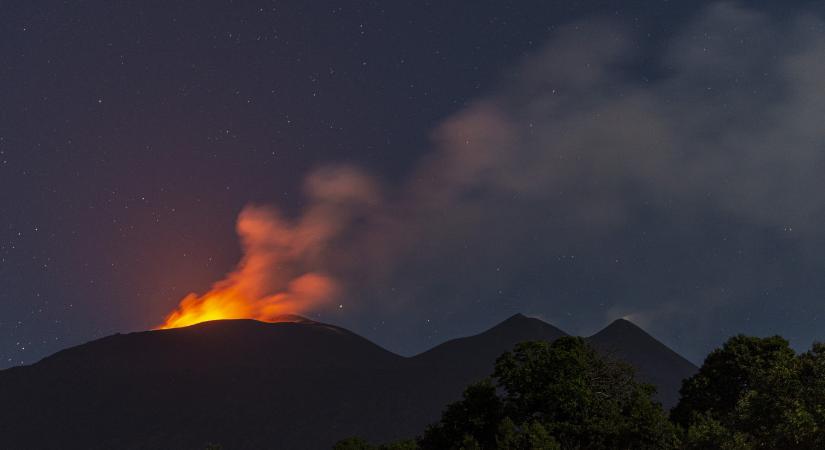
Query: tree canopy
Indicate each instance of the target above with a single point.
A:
(755, 393)
(559, 395)
(752, 393)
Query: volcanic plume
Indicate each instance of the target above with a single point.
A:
(282, 269)
(572, 155)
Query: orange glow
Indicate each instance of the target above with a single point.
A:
(282, 269)
(271, 280)
(225, 301)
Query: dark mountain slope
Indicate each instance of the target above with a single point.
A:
(655, 363)
(248, 384)
(472, 357)
(475, 353)
(241, 383)
(229, 342)
(448, 368)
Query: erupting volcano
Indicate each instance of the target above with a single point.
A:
(268, 284)
(284, 269)
(226, 301)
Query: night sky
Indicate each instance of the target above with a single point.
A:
(444, 164)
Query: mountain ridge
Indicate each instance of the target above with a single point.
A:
(516, 319)
(250, 384)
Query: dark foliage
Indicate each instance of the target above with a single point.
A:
(559, 395)
(755, 393)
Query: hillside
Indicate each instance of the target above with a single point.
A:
(248, 384)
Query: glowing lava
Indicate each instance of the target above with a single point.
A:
(225, 302)
(285, 266)
(268, 283)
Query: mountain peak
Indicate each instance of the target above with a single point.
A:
(514, 319)
(476, 352)
(622, 324)
(519, 326)
(519, 319)
(623, 330)
(655, 362)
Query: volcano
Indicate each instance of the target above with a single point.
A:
(248, 384)
(654, 362)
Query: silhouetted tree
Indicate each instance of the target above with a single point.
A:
(812, 380)
(559, 395)
(529, 437)
(755, 393)
(471, 422)
(355, 443)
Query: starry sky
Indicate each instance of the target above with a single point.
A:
(577, 161)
